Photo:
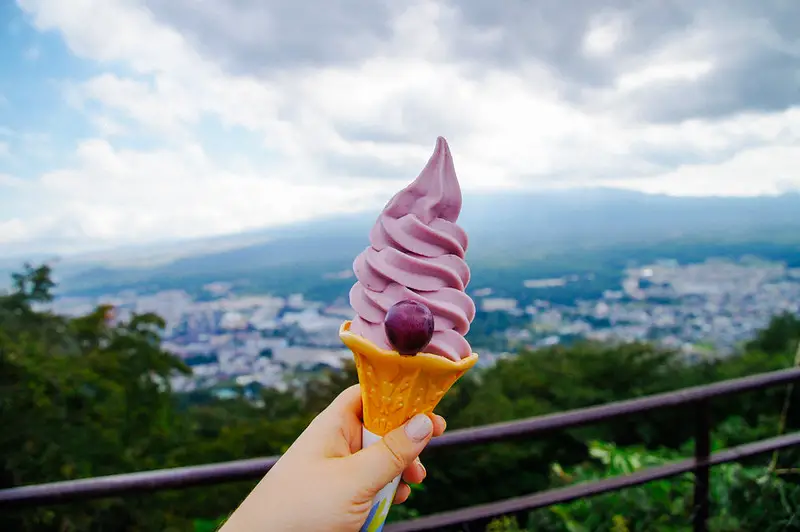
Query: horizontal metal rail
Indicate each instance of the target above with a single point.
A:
(185, 477)
(590, 489)
(536, 426)
(133, 483)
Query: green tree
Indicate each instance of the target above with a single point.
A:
(82, 397)
(90, 396)
(742, 497)
(780, 336)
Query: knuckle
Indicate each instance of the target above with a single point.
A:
(396, 457)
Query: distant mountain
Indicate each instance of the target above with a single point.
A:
(502, 226)
(600, 217)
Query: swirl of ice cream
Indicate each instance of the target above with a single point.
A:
(417, 253)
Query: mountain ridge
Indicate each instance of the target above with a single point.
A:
(500, 224)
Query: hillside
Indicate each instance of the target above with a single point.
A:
(503, 228)
(84, 397)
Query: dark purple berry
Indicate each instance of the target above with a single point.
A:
(409, 326)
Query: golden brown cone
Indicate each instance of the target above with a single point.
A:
(395, 388)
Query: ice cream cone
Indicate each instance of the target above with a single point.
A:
(395, 388)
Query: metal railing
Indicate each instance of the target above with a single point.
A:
(473, 518)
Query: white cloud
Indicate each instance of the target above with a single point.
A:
(112, 31)
(9, 181)
(13, 230)
(687, 71)
(327, 129)
(165, 193)
(762, 171)
(107, 126)
(160, 105)
(605, 33)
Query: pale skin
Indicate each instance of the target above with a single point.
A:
(325, 481)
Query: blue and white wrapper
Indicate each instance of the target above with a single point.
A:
(383, 500)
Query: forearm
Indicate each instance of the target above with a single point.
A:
(256, 513)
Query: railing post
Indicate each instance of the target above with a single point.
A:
(702, 452)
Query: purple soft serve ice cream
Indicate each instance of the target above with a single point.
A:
(416, 253)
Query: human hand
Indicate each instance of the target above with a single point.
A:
(325, 481)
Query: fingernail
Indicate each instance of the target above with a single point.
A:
(419, 427)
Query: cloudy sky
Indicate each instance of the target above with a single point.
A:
(129, 121)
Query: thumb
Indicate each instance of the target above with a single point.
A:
(378, 464)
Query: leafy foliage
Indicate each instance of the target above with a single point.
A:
(742, 498)
(88, 396)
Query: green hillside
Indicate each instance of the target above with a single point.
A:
(81, 397)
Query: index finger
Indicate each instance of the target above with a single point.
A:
(347, 402)
(439, 425)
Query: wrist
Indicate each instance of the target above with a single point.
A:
(259, 512)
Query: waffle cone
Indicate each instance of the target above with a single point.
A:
(395, 388)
